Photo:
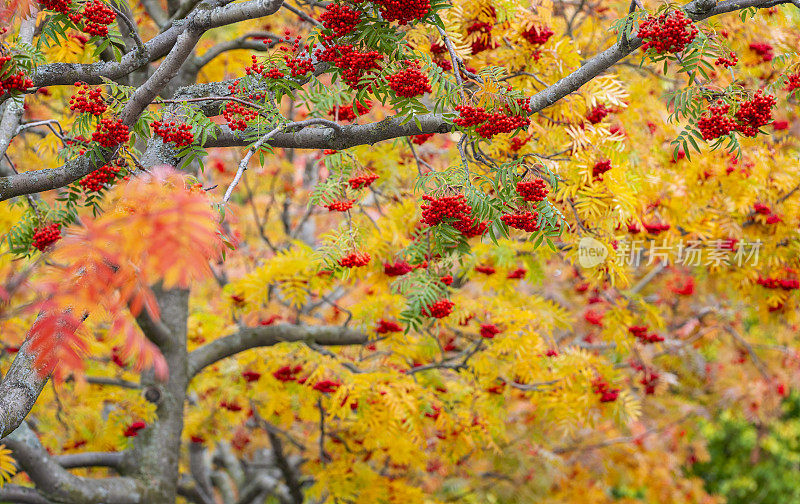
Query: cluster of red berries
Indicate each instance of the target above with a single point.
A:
(598, 113)
(600, 168)
(517, 274)
(87, 100)
(486, 270)
(793, 82)
(346, 112)
(776, 283)
(287, 373)
(439, 309)
(255, 67)
(179, 134)
(398, 268)
(340, 206)
(355, 260)
(236, 115)
(602, 388)
(230, 406)
(503, 121)
(110, 133)
(274, 73)
(133, 429)
(96, 180)
(717, 123)
(649, 378)
(533, 190)
(353, 64)
(655, 227)
(421, 139)
(594, 317)
(517, 143)
(56, 5)
(526, 221)
(251, 376)
(447, 280)
(360, 181)
(387, 326)
(763, 49)
(13, 82)
(537, 36)
(98, 17)
(327, 386)
(409, 82)
(45, 236)
(340, 20)
(667, 33)
(762, 209)
(404, 11)
(489, 331)
(640, 333)
(455, 210)
(484, 38)
(754, 113)
(730, 61)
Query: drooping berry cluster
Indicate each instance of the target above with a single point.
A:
(110, 133)
(490, 124)
(354, 65)
(99, 178)
(409, 82)
(483, 38)
(532, 190)
(763, 49)
(489, 331)
(640, 333)
(398, 268)
(602, 388)
(421, 139)
(655, 227)
(355, 260)
(486, 270)
(439, 309)
(298, 59)
(387, 326)
(726, 62)
(762, 209)
(453, 210)
(287, 373)
(98, 17)
(786, 284)
(57, 5)
(537, 36)
(340, 206)
(236, 115)
(517, 143)
(45, 236)
(360, 181)
(525, 221)
(13, 82)
(793, 82)
(754, 113)
(87, 100)
(668, 33)
(600, 168)
(598, 113)
(403, 11)
(327, 386)
(717, 122)
(346, 112)
(179, 134)
(340, 20)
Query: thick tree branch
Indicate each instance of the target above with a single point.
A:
(253, 337)
(21, 495)
(113, 460)
(19, 389)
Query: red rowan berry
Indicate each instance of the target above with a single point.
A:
(340, 20)
(533, 190)
(421, 139)
(360, 181)
(46, 236)
(537, 36)
(95, 181)
(398, 268)
(110, 133)
(668, 33)
(404, 11)
(387, 326)
(489, 331)
(602, 388)
(340, 206)
(181, 134)
(346, 112)
(730, 61)
(439, 309)
(98, 18)
(517, 274)
(355, 260)
(525, 221)
(486, 270)
(600, 168)
(86, 100)
(764, 50)
(409, 82)
(598, 113)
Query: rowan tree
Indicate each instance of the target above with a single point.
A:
(373, 251)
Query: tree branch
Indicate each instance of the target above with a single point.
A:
(19, 389)
(21, 495)
(91, 459)
(253, 337)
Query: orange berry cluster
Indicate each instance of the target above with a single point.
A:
(340, 20)
(640, 333)
(45, 236)
(355, 260)
(532, 190)
(98, 18)
(600, 168)
(455, 210)
(353, 64)
(362, 180)
(489, 331)
(96, 180)
(439, 309)
(403, 11)
(410, 82)
(525, 221)
(667, 33)
(110, 133)
(387, 326)
(340, 206)
(236, 115)
(754, 113)
(730, 61)
(179, 134)
(87, 100)
(346, 112)
(601, 387)
(537, 36)
(13, 82)
(598, 113)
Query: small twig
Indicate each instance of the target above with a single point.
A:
(455, 60)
